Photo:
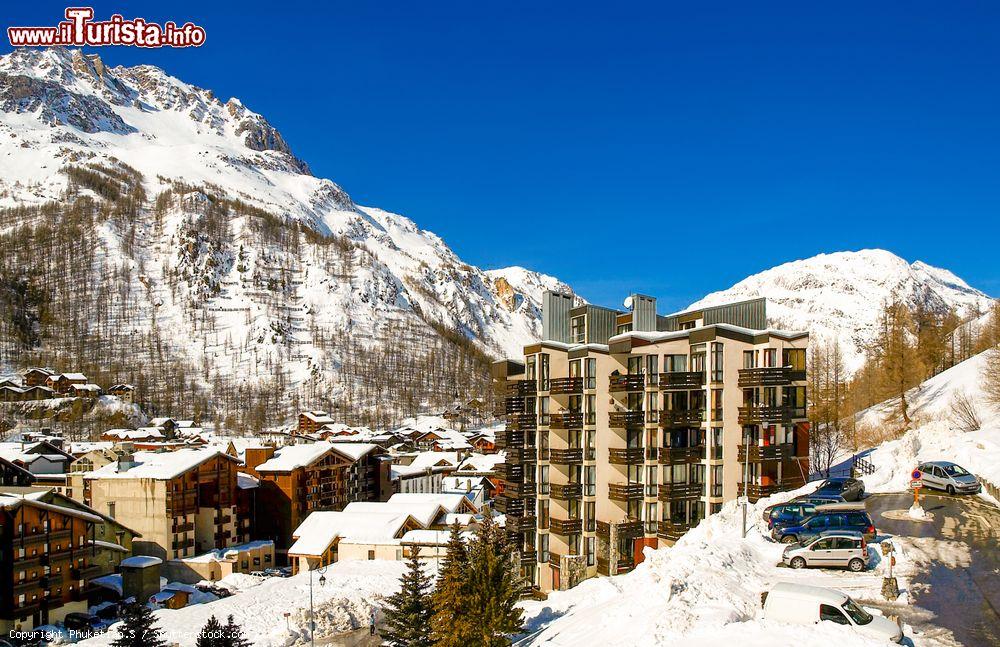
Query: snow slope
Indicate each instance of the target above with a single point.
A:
(840, 295)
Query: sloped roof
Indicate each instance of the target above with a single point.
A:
(424, 512)
(291, 457)
(450, 502)
(320, 529)
(160, 465)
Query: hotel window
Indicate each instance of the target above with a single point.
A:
(795, 399)
(591, 409)
(590, 481)
(543, 545)
(674, 363)
(543, 372)
(716, 481)
(716, 362)
(543, 410)
(770, 357)
(529, 368)
(543, 513)
(698, 358)
(635, 365)
(578, 329)
(574, 368)
(575, 403)
(590, 373)
(795, 357)
(716, 404)
(652, 368)
(623, 328)
(574, 544)
(591, 551)
(749, 359)
(371, 555)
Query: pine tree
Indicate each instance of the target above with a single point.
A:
(232, 635)
(451, 624)
(408, 612)
(494, 587)
(138, 628)
(210, 634)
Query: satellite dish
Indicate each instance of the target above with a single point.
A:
(628, 303)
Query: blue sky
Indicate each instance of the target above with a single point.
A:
(664, 148)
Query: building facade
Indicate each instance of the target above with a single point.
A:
(626, 428)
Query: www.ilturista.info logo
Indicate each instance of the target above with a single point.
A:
(81, 29)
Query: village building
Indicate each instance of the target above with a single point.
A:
(61, 383)
(35, 376)
(311, 421)
(124, 392)
(214, 565)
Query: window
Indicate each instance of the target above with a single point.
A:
(716, 481)
(590, 411)
(591, 551)
(543, 545)
(698, 358)
(717, 362)
(652, 364)
(716, 404)
(574, 368)
(635, 365)
(590, 481)
(543, 410)
(749, 359)
(832, 614)
(543, 373)
(770, 357)
(590, 373)
(794, 357)
(674, 363)
(371, 554)
(111, 509)
(822, 544)
(578, 329)
(795, 399)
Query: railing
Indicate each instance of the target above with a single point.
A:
(755, 492)
(679, 380)
(509, 506)
(563, 385)
(681, 417)
(715, 453)
(672, 455)
(623, 565)
(555, 559)
(765, 453)
(522, 454)
(671, 530)
(630, 456)
(565, 526)
(521, 524)
(619, 383)
(513, 404)
(510, 471)
(652, 417)
(520, 388)
(675, 491)
(528, 557)
(183, 527)
(566, 420)
(757, 414)
(566, 456)
(623, 419)
(567, 491)
(625, 491)
(769, 376)
(863, 466)
(522, 421)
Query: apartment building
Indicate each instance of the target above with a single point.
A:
(626, 428)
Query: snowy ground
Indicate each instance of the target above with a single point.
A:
(706, 589)
(352, 589)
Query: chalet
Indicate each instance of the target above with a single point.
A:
(311, 421)
(484, 443)
(39, 457)
(142, 434)
(124, 392)
(94, 459)
(431, 544)
(407, 478)
(326, 537)
(36, 376)
(61, 382)
(89, 391)
(38, 392)
(216, 564)
(10, 381)
(10, 393)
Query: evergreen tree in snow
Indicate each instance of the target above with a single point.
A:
(138, 628)
(451, 625)
(408, 612)
(232, 635)
(494, 587)
(209, 634)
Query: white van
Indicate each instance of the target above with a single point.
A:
(807, 605)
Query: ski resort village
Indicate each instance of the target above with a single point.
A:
(238, 408)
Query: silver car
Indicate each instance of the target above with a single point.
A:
(831, 549)
(952, 478)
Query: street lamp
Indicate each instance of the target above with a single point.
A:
(312, 615)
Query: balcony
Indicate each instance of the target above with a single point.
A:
(678, 491)
(676, 455)
(509, 438)
(528, 557)
(555, 559)
(566, 456)
(522, 421)
(759, 454)
(566, 526)
(182, 527)
(681, 380)
(566, 420)
(522, 455)
(521, 524)
(671, 530)
(510, 472)
(769, 376)
(566, 491)
(625, 491)
(519, 490)
(681, 418)
(757, 415)
(630, 456)
(513, 405)
(623, 565)
(508, 506)
(626, 419)
(620, 383)
(565, 385)
(86, 573)
(520, 388)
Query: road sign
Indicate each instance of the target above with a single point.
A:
(916, 484)
(917, 475)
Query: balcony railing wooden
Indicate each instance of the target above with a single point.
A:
(618, 383)
(521, 388)
(623, 565)
(519, 490)
(676, 455)
(522, 421)
(566, 491)
(521, 524)
(565, 526)
(509, 506)
(564, 385)
(671, 530)
(769, 453)
(629, 456)
(681, 380)
(769, 376)
(566, 420)
(555, 559)
(625, 491)
(624, 419)
(513, 404)
(681, 418)
(757, 414)
(566, 456)
(528, 557)
(509, 438)
(522, 455)
(677, 491)
(510, 472)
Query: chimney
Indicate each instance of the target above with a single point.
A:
(126, 462)
(643, 313)
(255, 456)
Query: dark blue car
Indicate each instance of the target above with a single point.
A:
(827, 517)
(789, 513)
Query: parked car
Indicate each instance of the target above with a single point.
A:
(819, 500)
(835, 516)
(788, 513)
(952, 478)
(83, 622)
(808, 605)
(832, 549)
(849, 488)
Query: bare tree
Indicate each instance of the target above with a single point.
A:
(964, 412)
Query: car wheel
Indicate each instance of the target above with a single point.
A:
(950, 490)
(856, 565)
(788, 539)
(797, 562)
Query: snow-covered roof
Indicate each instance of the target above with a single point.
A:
(319, 417)
(86, 387)
(291, 457)
(246, 481)
(462, 484)
(354, 451)
(424, 460)
(450, 502)
(73, 377)
(160, 465)
(431, 537)
(320, 529)
(133, 434)
(141, 561)
(12, 502)
(425, 512)
(482, 462)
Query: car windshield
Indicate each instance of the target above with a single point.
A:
(858, 615)
(954, 470)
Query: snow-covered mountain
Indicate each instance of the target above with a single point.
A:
(293, 261)
(841, 295)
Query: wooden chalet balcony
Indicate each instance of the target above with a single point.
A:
(681, 418)
(619, 383)
(182, 527)
(675, 455)
(40, 536)
(513, 404)
(522, 455)
(509, 506)
(528, 557)
(769, 376)
(510, 472)
(564, 385)
(678, 491)
(566, 420)
(625, 491)
(520, 388)
(521, 524)
(519, 490)
(510, 438)
(629, 456)
(566, 456)
(625, 419)
(681, 380)
(565, 526)
(757, 414)
(760, 454)
(522, 421)
(566, 491)
(622, 565)
(671, 530)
